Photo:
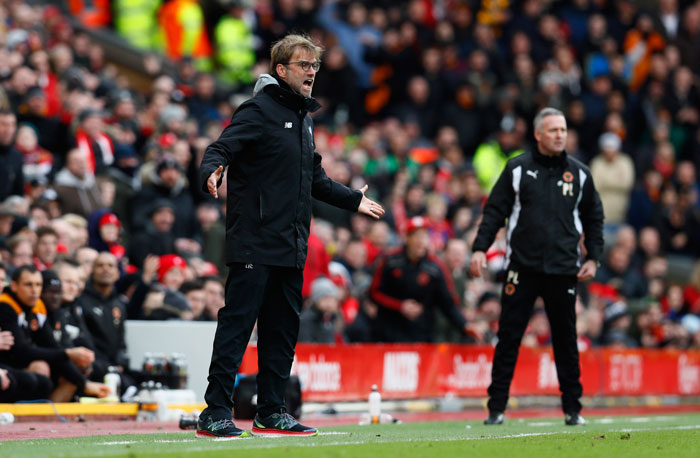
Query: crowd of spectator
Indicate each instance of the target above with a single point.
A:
(423, 100)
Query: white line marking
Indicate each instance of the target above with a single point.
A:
(118, 443)
(262, 444)
(604, 421)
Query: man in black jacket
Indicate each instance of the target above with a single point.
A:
(408, 285)
(23, 314)
(104, 311)
(549, 201)
(273, 171)
(11, 175)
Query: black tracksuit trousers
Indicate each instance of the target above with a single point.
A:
(520, 291)
(271, 295)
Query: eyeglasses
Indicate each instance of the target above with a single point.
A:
(305, 65)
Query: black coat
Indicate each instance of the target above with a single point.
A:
(11, 175)
(273, 171)
(105, 317)
(426, 281)
(549, 203)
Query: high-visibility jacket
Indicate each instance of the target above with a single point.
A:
(184, 32)
(489, 161)
(136, 20)
(234, 50)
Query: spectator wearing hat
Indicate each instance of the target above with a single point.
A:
(157, 237)
(322, 322)
(170, 184)
(613, 173)
(11, 174)
(76, 187)
(616, 326)
(164, 301)
(409, 283)
(104, 230)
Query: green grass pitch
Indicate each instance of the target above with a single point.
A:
(619, 437)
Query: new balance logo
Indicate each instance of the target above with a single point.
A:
(249, 266)
(532, 173)
(571, 291)
(287, 125)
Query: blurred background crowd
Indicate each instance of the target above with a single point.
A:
(424, 100)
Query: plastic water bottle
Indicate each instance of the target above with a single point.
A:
(375, 405)
(113, 380)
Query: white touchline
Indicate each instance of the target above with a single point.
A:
(258, 444)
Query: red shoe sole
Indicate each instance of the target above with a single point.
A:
(268, 432)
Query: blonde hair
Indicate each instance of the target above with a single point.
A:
(282, 50)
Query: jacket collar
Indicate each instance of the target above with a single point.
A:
(280, 91)
(92, 291)
(549, 161)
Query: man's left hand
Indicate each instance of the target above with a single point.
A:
(587, 271)
(368, 206)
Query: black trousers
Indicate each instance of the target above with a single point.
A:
(25, 386)
(271, 295)
(520, 291)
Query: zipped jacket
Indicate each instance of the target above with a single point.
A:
(546, 203)
(273, 171)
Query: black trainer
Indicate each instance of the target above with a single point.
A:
(219, 429)
(280, 425)
(495, 418)
(574, 419)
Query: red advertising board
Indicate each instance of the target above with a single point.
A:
(405, 371)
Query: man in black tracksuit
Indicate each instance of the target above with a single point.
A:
(104, 312)
(547, 201)
(408, 285)
(273, 171)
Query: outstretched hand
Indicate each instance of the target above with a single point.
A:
(368, 206)
(213, 181)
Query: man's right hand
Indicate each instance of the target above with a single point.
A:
(411, 309)
(477, 263)
(213, 181)
(81, 356)
(97, 389)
